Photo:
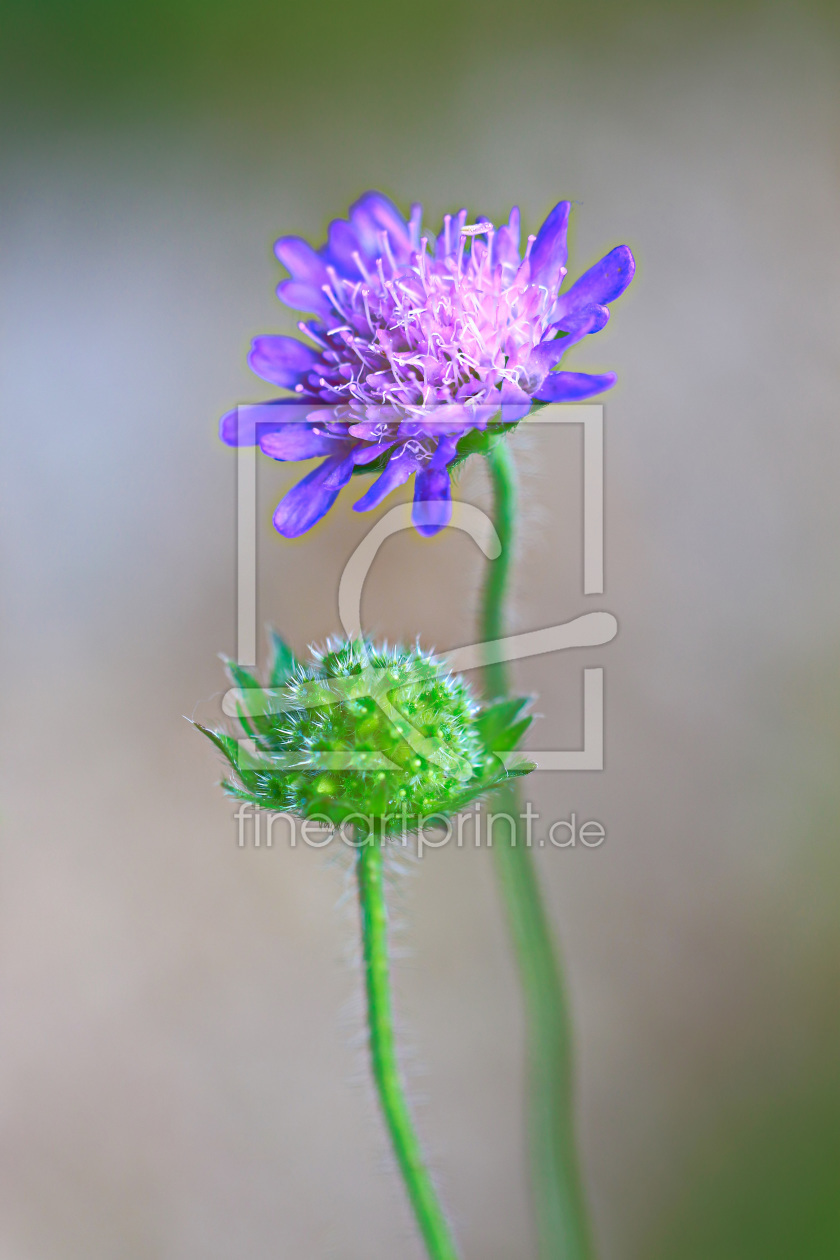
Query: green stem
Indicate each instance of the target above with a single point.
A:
(386, 1074)
(556, 1186)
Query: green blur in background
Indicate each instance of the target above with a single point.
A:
(178, 1080)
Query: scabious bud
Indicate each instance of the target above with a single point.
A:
(375, 736)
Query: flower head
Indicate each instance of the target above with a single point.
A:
(365, 732)
(418, 344)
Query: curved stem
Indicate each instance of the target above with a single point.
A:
(386, 1074)
(558, 1195)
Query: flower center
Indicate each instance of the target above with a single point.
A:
(444, 327)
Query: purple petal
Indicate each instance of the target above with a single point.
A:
(301, 261)
(601, 284)
(572, 386)
(548, 253)
(374, 213)
(342, 243)
(282, 360)
(297, 441)
(241, 426)
(447, 449)
(545, 356)
(235, 429)
(367, 454)
(369, 431)
(313, 497)
(582, 321)
(515, 403)
(506, 247)
(444, 418)
(304, 297)
(482, 414)
(513, 226)
(432, 502)
(396, 474)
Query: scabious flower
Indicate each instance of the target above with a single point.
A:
(380, 736)
(418, 344)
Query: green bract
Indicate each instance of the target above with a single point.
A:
(377, 736)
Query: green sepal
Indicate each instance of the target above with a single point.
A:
(225, 743)
(245, 681)
(477, 788)
(243, 763)
(241, 675)
(508, 739)
(519, 768)
(283, 660)
(254, 716)
(246, 684)
(497, 719)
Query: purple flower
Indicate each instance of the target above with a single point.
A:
(416, 342)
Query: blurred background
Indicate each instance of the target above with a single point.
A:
(182, 1062)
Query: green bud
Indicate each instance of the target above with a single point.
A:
(378, 733)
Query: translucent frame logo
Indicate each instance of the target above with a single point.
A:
(590, 630)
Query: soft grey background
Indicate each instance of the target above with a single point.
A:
(182, 1071)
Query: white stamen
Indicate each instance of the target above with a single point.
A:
(357, 259)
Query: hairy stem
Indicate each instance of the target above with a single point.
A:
(558, 1196)
(386, 1074)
